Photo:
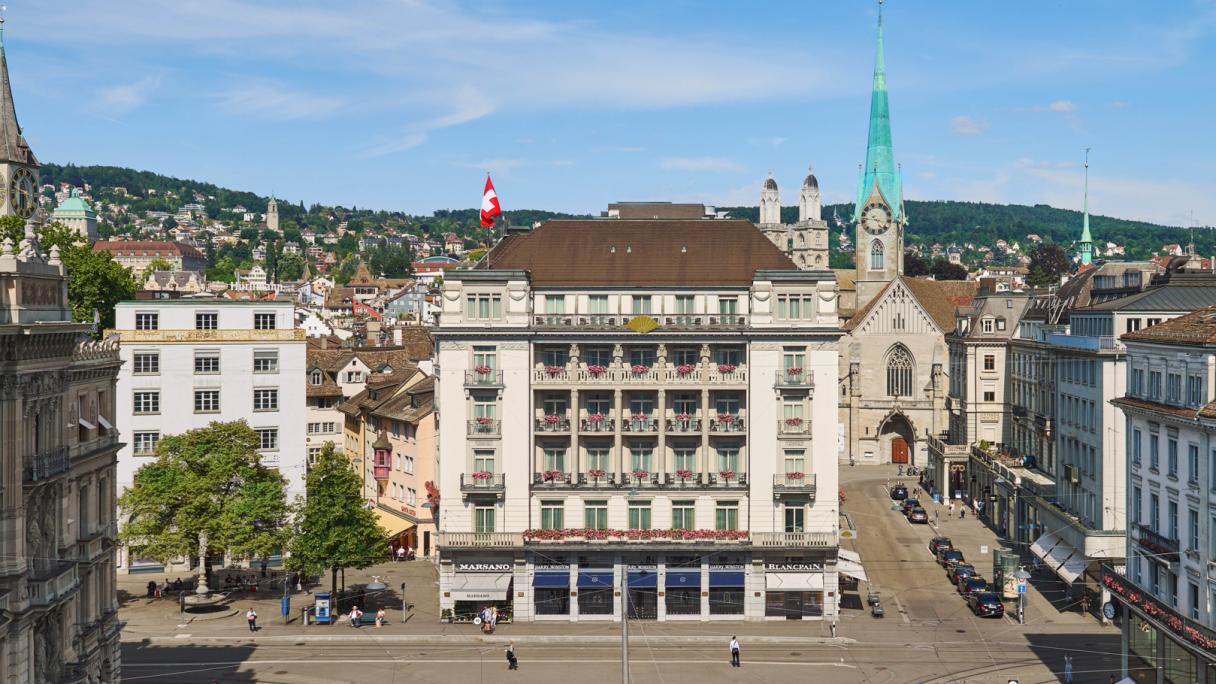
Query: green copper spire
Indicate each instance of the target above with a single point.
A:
(880, 158)
(1087, 240)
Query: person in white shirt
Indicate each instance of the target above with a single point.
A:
(734, 652)
(355, 614)
(400, 553)
(251, 616)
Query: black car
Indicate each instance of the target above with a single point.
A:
(909, 504)
(985, 604)
(948, 557)
(972, 585)
(940, 543)
(960, 571)
(918, 515)
(899, 492)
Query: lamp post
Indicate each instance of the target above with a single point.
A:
(1021, 576)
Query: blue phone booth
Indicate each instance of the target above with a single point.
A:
(321, 608)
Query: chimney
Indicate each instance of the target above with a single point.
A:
(325, 342)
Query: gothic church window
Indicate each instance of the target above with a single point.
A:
(899, 372)
(876, 257)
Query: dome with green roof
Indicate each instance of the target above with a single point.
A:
(74, 207)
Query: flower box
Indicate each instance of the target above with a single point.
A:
(727, 418)
(553, 419)
(550, 475)
(639, 369)
(641, 474)
(555, 370)
(597, 473)
(793, 422)
(483, 370)
(595, 418)
(793, 370)
(483, 475)
(597, 369)
(683, 417)
(588, 534)
(726, 474)
(683, 473)
(484, 420)
(727, 368)
(795, 475)
(685, 369)
(639, 417)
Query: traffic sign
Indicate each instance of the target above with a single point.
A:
(1021, 587)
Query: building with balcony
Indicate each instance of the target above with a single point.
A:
(57, 476)
(645, 406)
(390, 437)
(1169, 590)
(190, 362)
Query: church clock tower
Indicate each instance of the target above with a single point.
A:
(18, 166)
(879, 213)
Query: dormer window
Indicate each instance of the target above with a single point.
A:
(986, 326)
(315, 377)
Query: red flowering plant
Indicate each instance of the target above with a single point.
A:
(596, 473)
(484, 420)
(550, 475)
(795, 475)
(635, 534)
(683, 473)
(726, 474)
(595, 418)
(482, 475)
(553, 419)
(794, 370)
(727, 368)
(639, 369)
(639, 417)
(727, 417)
(597, 369)
(685, 369)
(793, 422)
(483, 370)
(683, 417)
(555, 370)
(641, 474)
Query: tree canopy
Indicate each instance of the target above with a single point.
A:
(1047, 264)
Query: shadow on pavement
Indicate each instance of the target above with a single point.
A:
(1095, 657)
(185, 664)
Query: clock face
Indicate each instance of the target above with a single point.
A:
(875, 219)
(21, 193)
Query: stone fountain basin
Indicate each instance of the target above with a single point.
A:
(204, 600)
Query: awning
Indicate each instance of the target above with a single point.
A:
(850, 555)
(592, 580)
(793, 581)
(644, 580)
(104, 423)
(851, 568)
(86, 424)
(1057, 555)
(1074, 567)
(726, 579)
(1043, 544)
(682, 579)
(551, 580)
(481, 586)
(393, 523)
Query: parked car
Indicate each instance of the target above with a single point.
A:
(909, 504)
(948, 557)
(985, 604)
(899, 492)
(918, 515)
(960, 572)
(937, 543)
(972, 585)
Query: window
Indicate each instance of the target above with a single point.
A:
(144, 443)
(1171, 452)
(1136, 438)
(685, 356)
(555, 304)
(354, 376)
(641, 304)
(1173, 519)
(598, 458)
(147, 402)
(1154, 449)
(685, 403)
(685, 458)
(206, 362)
(1195, 394)
(1174, 388)
(876, 260)
(727, 404)
(728, 356)
(1154, 512)
(265, 399)
(484, 408)
(728, 458)
(316, 377)
(795, 461)
(1192, 463)
(322, 428)
(266, 361)
(597, 305)
(263, 321)
(483, 461)
(314, 454)
(146, 363)
(206, 401)
(1154, 384)
(986, 326)
(555, 356)
(595, 515)
(1194, 600)
(598, 356)
(641, 456)
(1192, 527)
(555, 405)
(727, 515)
(1137, 512)
(485, 357)
(990, 396)
(639, 515)
(728, 306)
(147, 321)
(206, 321)
(683, 515)
(555, 459)
(268, 439)
(989, 362)
(483, 307)
(1133, 324)
(1000, 321)
(899, 372)
(795, 307)
(552, 515)
(483, 519)
(795, 519)
(686, 304)
(641, 357)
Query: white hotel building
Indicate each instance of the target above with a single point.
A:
(190, 362)
(648, 403)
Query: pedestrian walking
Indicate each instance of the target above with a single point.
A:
(512, 661)
(379, 618)
(962, 512)
(1067, 668)
(251, 616)
(734, 652)
(833, 629)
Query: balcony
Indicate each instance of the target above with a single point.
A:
(593, 423)
(793, 427)
(794, 378)
(796, 539)
(100, 442)
(726, 373)
(685, 374)
(53, 585)
(688, 425)
(596, 479)
(483, 483)
(727, 423)
(46, 464)
(592, 374)
(381, 472)
(703, 321)
(551, 375)
(794, 484)
(480, 540)
(483, 377)
(551, 478)
(1161, 546)
(640, 478)
(641, 375)
(722, 480)
(553, 423)
(636, 536)
(636, 425)
(90, 547)
(686, 479)
(488, 428)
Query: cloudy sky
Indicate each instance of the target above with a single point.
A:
(404, 104)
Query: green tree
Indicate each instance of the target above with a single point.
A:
(1047, 264)
(291, 266)
(224, 270)
(944, 270)
(391, 262)
(206, 491)
(333, 530)
(914, 265)
(157, 264)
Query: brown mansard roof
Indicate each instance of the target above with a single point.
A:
(1196, 328)
(639, 253)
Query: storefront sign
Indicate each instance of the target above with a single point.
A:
(483, 567)
(794, 567)
(552, 566)
(726, 566)
(1188, 630)
(642, 567)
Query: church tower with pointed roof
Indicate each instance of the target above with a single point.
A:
(879, 212)
(18, 165)
(1086, 245)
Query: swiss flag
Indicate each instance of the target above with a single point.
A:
(489, 205)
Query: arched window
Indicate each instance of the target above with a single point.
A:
(315, 377)
(876, 255)
(899, 372)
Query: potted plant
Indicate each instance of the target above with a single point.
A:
(597, 369)
(596, 473)
(683, 473)
(595, 418)
(640, 474)
(639, 369)
(725, 368)
(793, 372)
(482, 475)
(683, 417)
(483, 370)
(554, 371)
(445, 615)
(795, 475)
(552, 475)
(726, 474)
(552, 419)
(685, 369)
(793, 422)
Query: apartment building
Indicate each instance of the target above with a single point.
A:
(190, 362)
(58, 599)
(1168, 593)
(630, 406)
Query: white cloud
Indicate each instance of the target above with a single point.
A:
(967, 125)
(121, 99)
(272, 101)
(712, 164)
(469, 104)
(1062, 107)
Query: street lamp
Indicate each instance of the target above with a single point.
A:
(1021, 576)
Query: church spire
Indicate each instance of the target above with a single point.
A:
(13, 147)
(1087, 241)
(880, 158)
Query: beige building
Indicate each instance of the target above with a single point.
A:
(138, 254)
(57, 462)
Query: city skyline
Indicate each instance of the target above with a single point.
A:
(406, 107)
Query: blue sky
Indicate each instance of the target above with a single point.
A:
(403, 104)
